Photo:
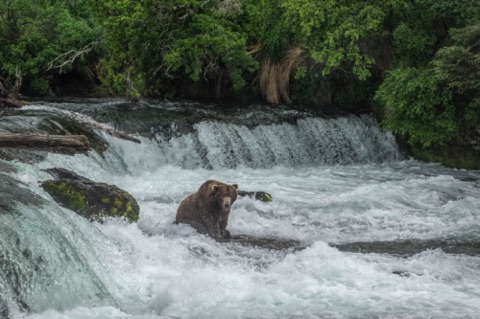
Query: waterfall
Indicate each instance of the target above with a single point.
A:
(309, 142)
(48, 256)
(194, 137)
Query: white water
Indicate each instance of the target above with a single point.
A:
(154, 269)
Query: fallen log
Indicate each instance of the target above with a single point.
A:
(66, 144)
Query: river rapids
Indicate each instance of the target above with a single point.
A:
(354, 230)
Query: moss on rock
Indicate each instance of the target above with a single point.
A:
(258, 195)
(90, 199)
(67, 194)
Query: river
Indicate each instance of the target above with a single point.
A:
(354, 229)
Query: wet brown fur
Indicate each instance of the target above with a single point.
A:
(207, 210)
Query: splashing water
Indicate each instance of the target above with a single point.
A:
(333, 182)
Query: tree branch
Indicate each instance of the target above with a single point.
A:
(68, 58)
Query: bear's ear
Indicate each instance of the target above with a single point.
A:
(214, 187)
(235, 185)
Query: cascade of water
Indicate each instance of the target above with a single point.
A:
(46, 261)
(48, 255)
(312, 141)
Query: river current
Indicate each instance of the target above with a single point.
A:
(334, 182)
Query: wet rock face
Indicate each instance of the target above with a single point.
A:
(11, 192)
(90, 199)
(407, 248)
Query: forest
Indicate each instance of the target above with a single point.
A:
(414, 63)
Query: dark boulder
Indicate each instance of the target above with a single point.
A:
(90, 199)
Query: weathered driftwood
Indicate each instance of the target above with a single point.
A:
(67, 144)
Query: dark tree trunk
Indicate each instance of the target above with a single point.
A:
(9, 98)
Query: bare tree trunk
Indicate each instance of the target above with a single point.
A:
(67, 144)
(10, 98)
(15, 91)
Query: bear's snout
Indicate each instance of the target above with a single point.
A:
(227, 201)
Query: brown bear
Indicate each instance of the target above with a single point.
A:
(207, 210)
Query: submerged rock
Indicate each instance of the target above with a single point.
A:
(407, 248)
(268, 243)
(261, 196)
(90, 199)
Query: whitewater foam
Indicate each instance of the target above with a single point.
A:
(154, 269)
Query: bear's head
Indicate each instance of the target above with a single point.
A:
(222, 195)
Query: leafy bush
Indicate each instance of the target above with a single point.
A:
(459, 67)
(417, 106)
(207, 48)
(33, 34)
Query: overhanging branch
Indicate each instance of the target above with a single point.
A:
(68, 58)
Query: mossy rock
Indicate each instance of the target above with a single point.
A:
(90, 199)
(258, 195)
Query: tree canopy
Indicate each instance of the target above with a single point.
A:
(39, 37)
(415, 62)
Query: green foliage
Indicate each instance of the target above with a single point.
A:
(459, 64)
(264, 24)
(413, 47)
(422, 26)
(35, 33)
(207, 48)
(417, 106)
(331, 31)
(431, 93)
(118, 69)
(151, 40)
(459, 67)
